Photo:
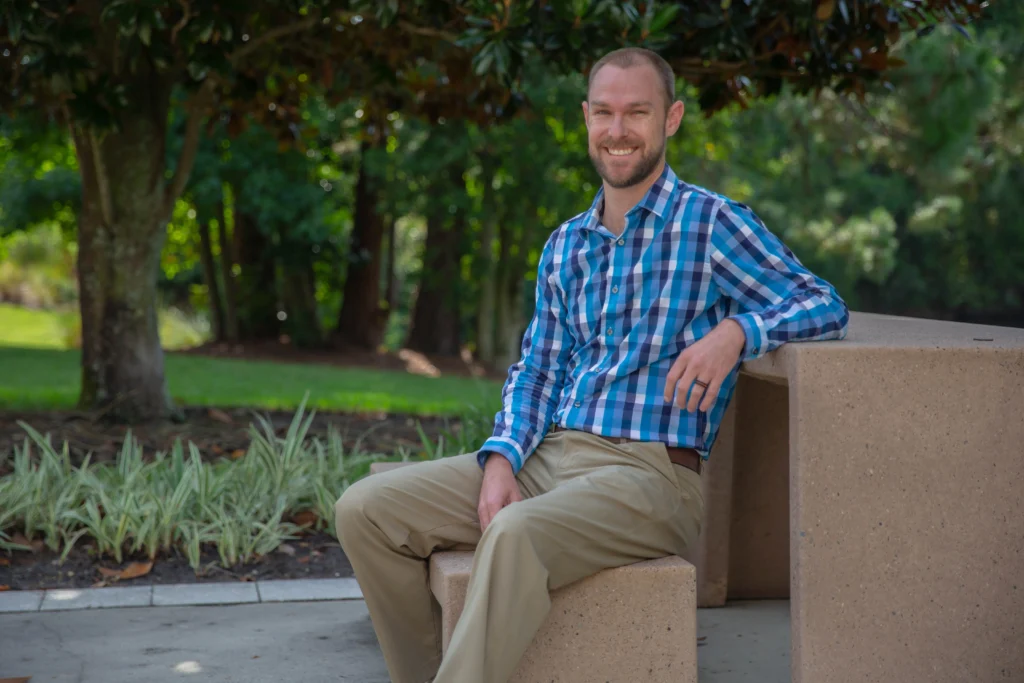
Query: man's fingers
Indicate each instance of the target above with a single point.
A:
(481, 512)
(489, 509)
(685, 383)
(697, 391)
(674, 373)
(711, 395)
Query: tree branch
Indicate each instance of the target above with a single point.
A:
(427, 31)
(190, 148)
(865, 116)
(272, 34)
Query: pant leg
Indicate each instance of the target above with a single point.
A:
(388, 525)
(611, 505)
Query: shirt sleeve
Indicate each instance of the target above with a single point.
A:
(779, 300)
(531, 392)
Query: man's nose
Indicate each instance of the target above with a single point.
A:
(618, 127)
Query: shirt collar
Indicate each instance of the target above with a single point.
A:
(656, 200)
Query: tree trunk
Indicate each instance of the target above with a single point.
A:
(361, 316)
(256, 281)
(435, 318)
(210, 276)
(227, 269)
(509, 284)
(391, 286)
(121, 231)
(485, 267)
(298, 290)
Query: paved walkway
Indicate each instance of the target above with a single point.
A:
(268, 638)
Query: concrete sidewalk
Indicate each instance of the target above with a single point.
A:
(312, 642)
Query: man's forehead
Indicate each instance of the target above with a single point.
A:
(620, 101)
(631, 84)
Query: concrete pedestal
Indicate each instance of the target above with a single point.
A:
(876, 481)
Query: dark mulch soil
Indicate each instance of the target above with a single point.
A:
(314, 556)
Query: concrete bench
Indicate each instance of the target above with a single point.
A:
(874, 482)
(631, 623)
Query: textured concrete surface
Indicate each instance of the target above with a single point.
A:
(745, 642)
(907, 516)
(759, 536)
(641, 617)
(317, 642)
(711, 554)
(906, 538)
(205, 594)
(294, 590)
(21, 601)
(94, 598)
(321, 642)
(285, 590)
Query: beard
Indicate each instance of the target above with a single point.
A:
(644, 167)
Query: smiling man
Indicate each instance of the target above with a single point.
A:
(646, 305)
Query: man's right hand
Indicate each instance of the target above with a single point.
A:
(499, 488)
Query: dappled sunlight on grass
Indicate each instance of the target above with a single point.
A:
(59, 328)
(26, 327)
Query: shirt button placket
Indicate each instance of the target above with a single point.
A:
(615, 288)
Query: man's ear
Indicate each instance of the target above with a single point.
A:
(673, 118)
(586, 114)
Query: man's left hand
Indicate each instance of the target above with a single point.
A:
(709, 361)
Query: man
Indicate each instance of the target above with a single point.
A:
(646, 305)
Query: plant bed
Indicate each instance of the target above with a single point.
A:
(216, 432)
(262, 511)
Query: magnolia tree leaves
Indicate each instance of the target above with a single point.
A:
(453, 58)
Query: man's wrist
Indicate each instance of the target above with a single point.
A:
(491, 457)
(739, 336)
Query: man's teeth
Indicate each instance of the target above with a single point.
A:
(621, 152)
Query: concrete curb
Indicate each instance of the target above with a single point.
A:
(182, 594)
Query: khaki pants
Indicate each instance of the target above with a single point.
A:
(588, 505)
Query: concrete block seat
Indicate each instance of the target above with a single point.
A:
(632, 623)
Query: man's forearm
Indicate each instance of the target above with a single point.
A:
(811, 315)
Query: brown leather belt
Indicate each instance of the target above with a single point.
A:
(687, 457)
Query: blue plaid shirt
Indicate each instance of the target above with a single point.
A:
(614, 312)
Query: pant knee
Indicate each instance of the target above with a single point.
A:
(510, 522)
(354, 508)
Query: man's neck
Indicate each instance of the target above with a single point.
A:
(619, 200)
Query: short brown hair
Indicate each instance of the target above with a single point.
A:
(627, 57)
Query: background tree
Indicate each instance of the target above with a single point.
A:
(110, 73)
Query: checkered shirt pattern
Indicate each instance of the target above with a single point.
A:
(613, 313)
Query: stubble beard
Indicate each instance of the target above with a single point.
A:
(644, 168)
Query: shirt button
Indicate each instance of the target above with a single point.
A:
(577, 404)
(615, 289)
(609, 330)
(621, 242)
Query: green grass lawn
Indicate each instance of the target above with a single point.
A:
(47, 378)
(35, 373)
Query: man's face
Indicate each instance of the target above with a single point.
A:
(627, 123)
